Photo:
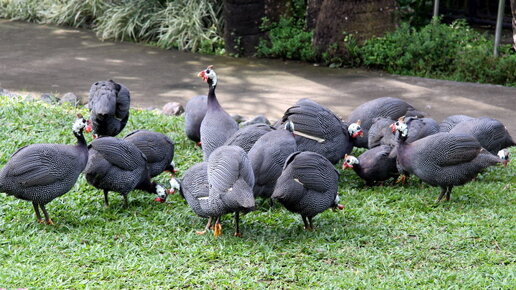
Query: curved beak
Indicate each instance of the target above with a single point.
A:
(203, 76)
(346, 165)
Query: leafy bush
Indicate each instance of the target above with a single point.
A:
(438, 50)
(194, 25)
(286, 39)
(75, 13)
(28, 10)
(134, 20)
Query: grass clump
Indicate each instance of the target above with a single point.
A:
(387, 237)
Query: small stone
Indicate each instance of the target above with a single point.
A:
(48, 98)
(70, 98)
(256, 120)
(173, 109)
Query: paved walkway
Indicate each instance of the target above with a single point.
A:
(49, 59)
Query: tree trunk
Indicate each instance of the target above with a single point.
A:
(361, 18)
(243, 18)
(513, 9)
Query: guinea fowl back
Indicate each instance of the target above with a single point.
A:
(446, 159)
(116, 165)
(195, 188)
(322, 131)
(308, 184)
(195, 110)
(231, 180)
(386, 107)
(451, 121)
(491, 133)
(157, 148)
(109, 103)
(247, 136)
(267, 158)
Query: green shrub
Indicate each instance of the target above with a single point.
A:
(286, 39)
(438, 50)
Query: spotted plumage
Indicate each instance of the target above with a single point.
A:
(42, 172)
(118, 165)
(318, 129)
(109, 104)
(267, 158)
(387, 107)
(248, 135)
(157, 148)
(307, 185)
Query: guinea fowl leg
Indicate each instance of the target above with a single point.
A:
(106, 198)
(448, 193)
(311, 223)
(237, 224)
(217, 228)
(47, 218)
(443, 191)
(36, 209)
(307, 225)
(126, 202)
(208, 225)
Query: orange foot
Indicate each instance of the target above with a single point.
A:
(217, 230)
(238, 234)
(402, 179)
(41, 221)
(200, 232)
(50, 222)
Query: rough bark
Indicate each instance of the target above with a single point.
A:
(243, 19)
(361, 18)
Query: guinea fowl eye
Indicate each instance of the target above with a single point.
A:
(207, 71)
(397, 123)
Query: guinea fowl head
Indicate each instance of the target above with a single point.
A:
(355, 130)
(336, 203)
(208, 75)
(79, 124)
(349, 161)
(161, 192)
(400, 126)
(504, 155)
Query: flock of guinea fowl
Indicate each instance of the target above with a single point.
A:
(292, 161)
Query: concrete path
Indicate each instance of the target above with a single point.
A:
(48, 59)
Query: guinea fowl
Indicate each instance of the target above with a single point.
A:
(374, 165)
(247, 136)
(157, 148)
(387, 107)
(319, 130)
(491, 133)
(267, 158)
(380, 133)
(217, 125)
(118, 165)
(307, 185)
(443, 159)
(194, 187)
(231, 180)
(109, 104)
(447, 124)
(195, 110)
(42, 172)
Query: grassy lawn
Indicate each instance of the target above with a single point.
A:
(386, 237)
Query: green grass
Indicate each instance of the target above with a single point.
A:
(386, 237)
